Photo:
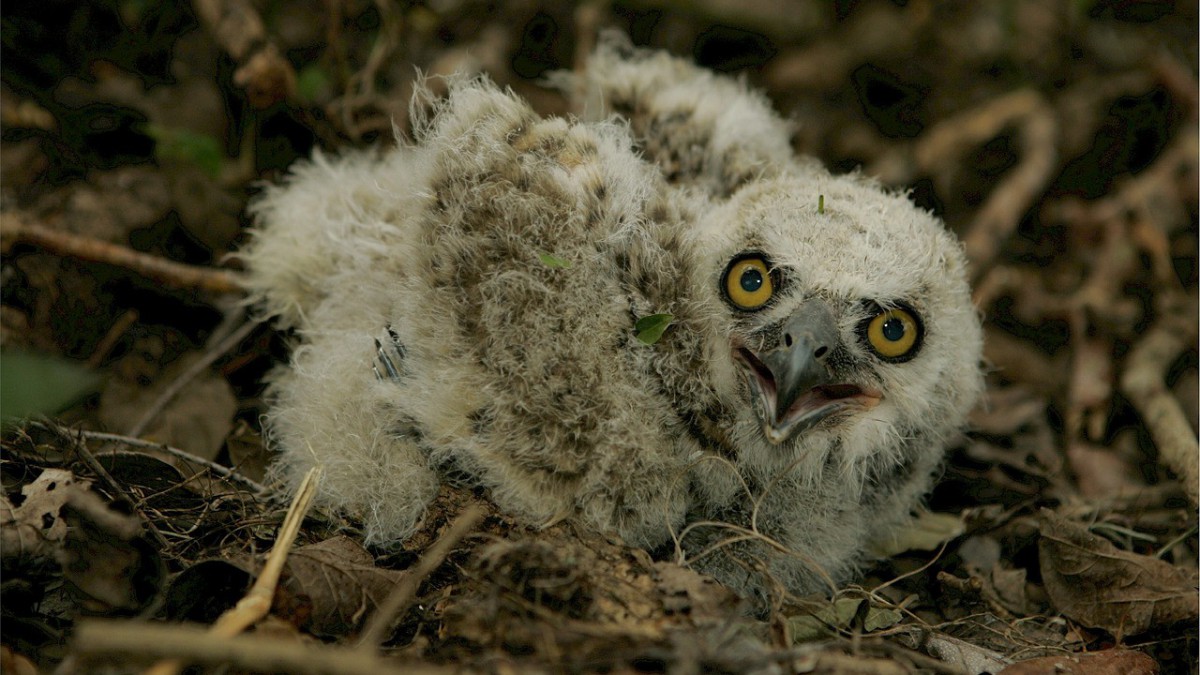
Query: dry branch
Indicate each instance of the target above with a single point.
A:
(124, 639)
(402, 594)
(999, 216)
(16, 228)
(1143, 382)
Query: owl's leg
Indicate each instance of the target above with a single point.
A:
(333, 409)
(698, 127)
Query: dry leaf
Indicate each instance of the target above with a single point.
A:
(34, 528)
(927, 532)
(196, 420)
(106, 556)
(330, 587)
(204, 590)
(1108, 662)
(1094, 583)
(1009, 585)
(839, 615)
(965, 656)
(247, 452)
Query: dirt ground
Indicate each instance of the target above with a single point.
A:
(1057, 139)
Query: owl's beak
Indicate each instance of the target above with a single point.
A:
(792, 384)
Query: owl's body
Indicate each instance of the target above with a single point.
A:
(465, 309)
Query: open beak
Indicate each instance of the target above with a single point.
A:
(791, 384)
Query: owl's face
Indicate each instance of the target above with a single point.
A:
(843, 311)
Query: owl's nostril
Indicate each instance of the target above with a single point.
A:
(821, 351)
(787, 339)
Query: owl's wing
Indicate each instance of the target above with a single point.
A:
(701, 129)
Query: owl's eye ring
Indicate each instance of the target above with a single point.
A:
(894, 334)
(749, 282)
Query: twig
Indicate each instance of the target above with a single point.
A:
(88, 458)
(262, 71)
(937, 151)
(15, 228)
(402, 594)
(257, 601)
(110, 339)
(1142, 380)
(210, 355)
(222, 471)
(96, 639)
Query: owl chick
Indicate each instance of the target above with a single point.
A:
(466, 308)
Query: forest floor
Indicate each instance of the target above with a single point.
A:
(1058, 140)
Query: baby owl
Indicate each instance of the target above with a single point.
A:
(473, 306)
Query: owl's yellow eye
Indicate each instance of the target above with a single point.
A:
(748, 283)
(894, 334)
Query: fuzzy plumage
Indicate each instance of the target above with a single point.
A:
(439, 338)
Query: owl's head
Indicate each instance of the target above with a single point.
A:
(842, 312)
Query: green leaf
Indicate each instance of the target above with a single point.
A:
(554, 261)
(650, 328)
(829, 619)
(187, 146)
(40, 384)
(313, 83)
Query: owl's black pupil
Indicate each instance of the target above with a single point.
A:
(751, 280)
(893, 329)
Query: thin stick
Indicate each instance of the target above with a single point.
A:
(222, 471)
(110, 339)
(257, 601)
(88, 458)
(398, 600)
(1143, 382)
(95, 639)
(193, 371)
(16, 228)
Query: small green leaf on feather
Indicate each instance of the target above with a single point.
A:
(821, 204)
(650, 328)
(554, 261)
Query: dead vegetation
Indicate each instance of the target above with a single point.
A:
(1058, 139)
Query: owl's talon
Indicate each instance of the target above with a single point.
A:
(382, 356)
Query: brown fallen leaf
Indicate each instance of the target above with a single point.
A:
(203, 591)
(107, 556)
(196, 420)
(1107, 662)
(330, 587)
(247, 452)
(1098, 585)
(33, 529)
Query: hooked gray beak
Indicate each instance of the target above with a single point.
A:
(791, 382)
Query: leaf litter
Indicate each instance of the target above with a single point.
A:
(1062, 536)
